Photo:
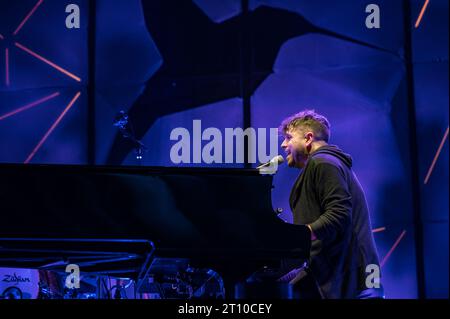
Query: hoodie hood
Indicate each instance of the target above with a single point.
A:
(336, 152)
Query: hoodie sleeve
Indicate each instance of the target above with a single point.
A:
(335, 201)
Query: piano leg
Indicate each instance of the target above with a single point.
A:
(230, 287)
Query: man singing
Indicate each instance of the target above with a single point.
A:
(328, 198)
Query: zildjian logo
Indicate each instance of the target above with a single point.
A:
(15, 279)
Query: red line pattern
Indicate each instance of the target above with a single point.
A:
(29, 106)
(393, 248)
(419, 18)
(430, 170)
(52, 128)
(57, 67)
(7, 67)
(42, 100)
(28, 16)
(377, 230)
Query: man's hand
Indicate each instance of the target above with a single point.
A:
(293, 276)
(313, 237)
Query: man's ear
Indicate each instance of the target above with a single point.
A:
(309, 137)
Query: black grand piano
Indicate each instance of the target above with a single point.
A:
(135, 221)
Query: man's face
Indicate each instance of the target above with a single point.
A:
(296, 144)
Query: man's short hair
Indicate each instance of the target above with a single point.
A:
(308, 119)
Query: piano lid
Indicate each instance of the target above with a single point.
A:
(181, 210)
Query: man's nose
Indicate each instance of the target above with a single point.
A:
(284, 144)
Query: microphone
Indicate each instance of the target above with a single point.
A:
(277, 160)
(121, 120)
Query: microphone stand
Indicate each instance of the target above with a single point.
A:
(126, 129)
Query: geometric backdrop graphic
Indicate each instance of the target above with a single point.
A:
(43, 83)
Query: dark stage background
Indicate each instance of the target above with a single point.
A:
(242, 63)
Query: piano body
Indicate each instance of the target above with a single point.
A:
(135, 221)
